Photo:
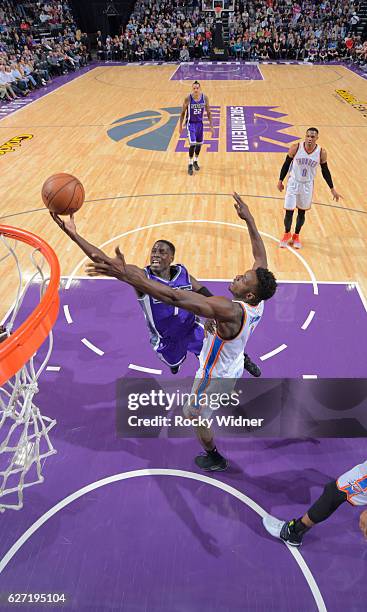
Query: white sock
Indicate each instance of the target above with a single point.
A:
(195, 158)
(190, 161)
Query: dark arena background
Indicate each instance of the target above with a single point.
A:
(108, 499)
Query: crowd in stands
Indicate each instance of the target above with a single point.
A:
(38, 41)
(311, 30)
(167, 30)
(318, 30)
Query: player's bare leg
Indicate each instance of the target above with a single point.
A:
(191, 160)
(196, 156)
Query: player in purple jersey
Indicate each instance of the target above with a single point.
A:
(193, 109)
(173, 331)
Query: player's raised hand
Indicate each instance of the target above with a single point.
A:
(241, 207)
(280, 186)
(108, 266)
(68, 226)
(336, 195)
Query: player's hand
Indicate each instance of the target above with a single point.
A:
(3, 333)
(336, 195)
(363, 523)
(241, 207)
(280, 186)
(68, 226)
(210, 327)
(108, 266)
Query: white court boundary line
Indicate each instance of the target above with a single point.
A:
(47, 94)
(67, 314)
(173, 74)
(163, 472)
(361, 295)
(138, 368)
(261, 74)
(307, 322)
(275, 351)
(92, 347)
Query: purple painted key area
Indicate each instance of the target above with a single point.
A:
(217, 71)
(170, 543)
(107, 314)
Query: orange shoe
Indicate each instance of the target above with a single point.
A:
(284, 241)
(296, 242)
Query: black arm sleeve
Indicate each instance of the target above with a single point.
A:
(285, 168)
(204, 291)
(326, 174)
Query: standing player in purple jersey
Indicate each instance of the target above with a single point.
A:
(173, 331)
(193, 109)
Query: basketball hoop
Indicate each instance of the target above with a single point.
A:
(24, 439)
(218, 12)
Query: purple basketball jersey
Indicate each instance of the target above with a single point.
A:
(165, 321)
(195, 111)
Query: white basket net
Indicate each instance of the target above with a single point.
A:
(24, 431)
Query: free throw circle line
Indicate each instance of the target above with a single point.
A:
(163, 472)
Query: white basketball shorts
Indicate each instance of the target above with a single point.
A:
(298, 195)
(354, 484)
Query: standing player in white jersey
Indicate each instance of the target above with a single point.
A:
(303, 159)
(351, 487)
(222, 353)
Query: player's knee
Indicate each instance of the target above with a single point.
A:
(191, 150)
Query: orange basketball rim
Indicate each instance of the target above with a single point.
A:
(22, 344)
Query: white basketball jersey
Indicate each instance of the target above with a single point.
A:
(354, 484)
(304, 165)
(224, 358)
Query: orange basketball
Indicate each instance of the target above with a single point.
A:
(63, 194)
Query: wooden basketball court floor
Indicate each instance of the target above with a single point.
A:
(138, 190)
(128, 187)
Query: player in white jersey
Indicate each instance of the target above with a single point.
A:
(235, 319)
(303, 159)
(351, 487)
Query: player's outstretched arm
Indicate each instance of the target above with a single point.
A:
(327, 176)
(68, 226)
(183, 112)
(218, 308)
(258, 248)
(287, 162)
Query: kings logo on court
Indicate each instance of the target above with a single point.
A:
(249, 129)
